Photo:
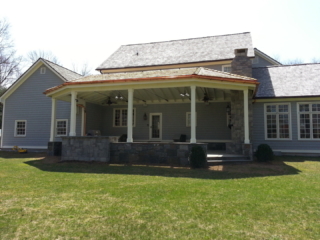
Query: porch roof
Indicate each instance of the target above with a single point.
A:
(179, 73)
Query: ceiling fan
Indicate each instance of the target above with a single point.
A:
(206, 97)
(109, 101)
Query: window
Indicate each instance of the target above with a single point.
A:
(120, 117)
(61, 127)
(277, 121)
(20, 128)
(188, 119)
(226, 68)
(309, 121)
(42, 70)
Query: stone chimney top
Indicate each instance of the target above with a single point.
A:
(241, 52)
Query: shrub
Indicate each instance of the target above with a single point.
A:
(264, 153)
(198, 158)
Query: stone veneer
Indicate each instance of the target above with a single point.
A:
(240, 65)
(152, 153)
(86, 148)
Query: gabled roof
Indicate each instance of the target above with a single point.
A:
(191, 50)
(62, 72)
(301, 80)
(267, 57)
(179, 73)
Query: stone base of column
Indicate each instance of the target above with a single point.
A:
(54, 148)
(247, 150)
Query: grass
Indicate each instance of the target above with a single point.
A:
(43, 199)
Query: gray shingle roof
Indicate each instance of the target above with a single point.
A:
(65, 73)
(200, 71)
(288, 81)
(179, 51)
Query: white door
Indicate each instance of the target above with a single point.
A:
(155, 124)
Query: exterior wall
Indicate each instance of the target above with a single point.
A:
(95, 115)
(261, 62)
(293, 145)
(211, 121)
(29, 103)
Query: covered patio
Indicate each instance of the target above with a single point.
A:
(205, 105)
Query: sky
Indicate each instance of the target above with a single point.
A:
(79, 32)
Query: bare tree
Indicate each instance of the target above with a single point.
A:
(84, 70)
(293, 61)
(315, 60)
(33, 56)
(9, 61)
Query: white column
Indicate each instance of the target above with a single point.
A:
(73, 113)
(193, 115)
(53, 119)
(246, 116)
(130, 113)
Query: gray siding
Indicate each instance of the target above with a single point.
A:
(29, 103)
(294, 144)
(211, 121)
(95, 115)
(261, 62)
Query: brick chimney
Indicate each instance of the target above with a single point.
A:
(241, 64)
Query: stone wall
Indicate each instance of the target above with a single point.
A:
(86, 149)
(152, 153)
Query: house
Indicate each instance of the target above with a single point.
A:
(219, 91)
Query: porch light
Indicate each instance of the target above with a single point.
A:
(118, 97)
(184, 94)
(145, 117)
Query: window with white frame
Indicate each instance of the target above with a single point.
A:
(309, 120)
(188, 119)
(61, 127)
(226, 68)
(20, 128)
(120, 117)
(277, 121)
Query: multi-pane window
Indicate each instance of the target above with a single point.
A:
(20, 128)
(226, 68)
(309, 120)
(277, 120)
(61, 127)
(120, 117)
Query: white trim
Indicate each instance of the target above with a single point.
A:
(296, 151)
(30, 147)
(311, 125)
(53, 118)
(56, 127)
(150, 127)
(277, 119)
(226, 66)
(265, 57)
(15, 128)
(125, 108)
(2, 132)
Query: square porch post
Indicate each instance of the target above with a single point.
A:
(193, 115)
(73, 113)
(130, 113)
(53, 118)
(246, 116)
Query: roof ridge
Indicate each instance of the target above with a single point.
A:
(228, 73)
(185, 39)
(46, 60)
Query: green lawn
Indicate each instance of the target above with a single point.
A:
(42, 199)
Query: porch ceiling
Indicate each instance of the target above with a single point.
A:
(152, 96)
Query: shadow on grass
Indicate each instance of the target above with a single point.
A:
(225, 171)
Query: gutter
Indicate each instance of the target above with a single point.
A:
(152, 79)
